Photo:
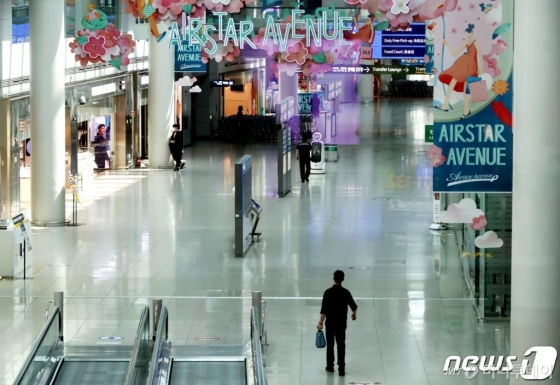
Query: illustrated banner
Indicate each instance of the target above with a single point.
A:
(473, 101)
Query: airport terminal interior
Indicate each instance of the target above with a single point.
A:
(158, 226)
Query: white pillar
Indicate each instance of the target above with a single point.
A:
(161, 103)
(5, 37)
(288, 86)
(48, 49)
(365, 85)
(535, 312)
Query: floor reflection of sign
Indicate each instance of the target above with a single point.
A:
(398, 181)
(206, 338)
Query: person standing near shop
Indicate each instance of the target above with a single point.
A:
(303, 154)
(335, 310)
(176, 147)
(100, 147)
(241, 134)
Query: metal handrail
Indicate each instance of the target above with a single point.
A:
(159, 344)
(256, 342)
(144, 320)
(54, 316)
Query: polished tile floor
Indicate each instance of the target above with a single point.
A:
(163, 234)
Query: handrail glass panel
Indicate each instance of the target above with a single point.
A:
(48, 347)
(140, 361)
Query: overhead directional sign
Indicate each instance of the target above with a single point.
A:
(408, 70)
(348, 69)
(378, 70)
(222, 83)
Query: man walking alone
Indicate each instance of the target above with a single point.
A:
(335, 310)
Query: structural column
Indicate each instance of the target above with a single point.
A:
(365, 84)
(5, 37)
(288, 86)
(47, 111)
(535, 311)
(161, 103)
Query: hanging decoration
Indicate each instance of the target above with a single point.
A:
(101, 42)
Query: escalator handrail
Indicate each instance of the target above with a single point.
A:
(29, 360)
(256, 342)
(144, 318)
(160, 345)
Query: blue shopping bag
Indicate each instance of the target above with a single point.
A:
(320, 341)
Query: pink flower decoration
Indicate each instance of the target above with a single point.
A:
(432, 9)
(426, 59)
(435, 156)
(297, 53)
(94, 47)
(491, 66)
(499, 47)
(355, 2)
(479, 223)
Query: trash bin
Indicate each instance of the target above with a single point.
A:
(331, 152)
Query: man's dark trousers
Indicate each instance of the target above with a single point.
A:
(305, 169)
(336, 331)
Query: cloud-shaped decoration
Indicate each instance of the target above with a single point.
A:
(224, 2)
(288, 68)
(195, 89)
(462, 212)
(489, 240)
(186, 81)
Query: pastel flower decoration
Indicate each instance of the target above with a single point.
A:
(435, 156)
(355, 2)
(491, 66)
(95, 47)
(499, 47)
(400, 6)
(500, 87)
(433, 9)
(479, 223)
(297, 53)
(224, 2)
(426, 59)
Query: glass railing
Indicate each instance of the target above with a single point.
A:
(422, 323)
(140, 360)
(161, 363)
(257, 347)
(45, 355)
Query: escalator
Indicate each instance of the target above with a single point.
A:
(51, 362)
(208, 365)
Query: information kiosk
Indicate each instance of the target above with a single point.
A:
(15, 247)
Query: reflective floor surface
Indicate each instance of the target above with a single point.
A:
(164, 234)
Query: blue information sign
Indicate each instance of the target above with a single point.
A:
(188, 58)
(401, 44)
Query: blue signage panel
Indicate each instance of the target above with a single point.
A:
(402, 44)
(398, 52)
(188, 58)
(475, 154)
